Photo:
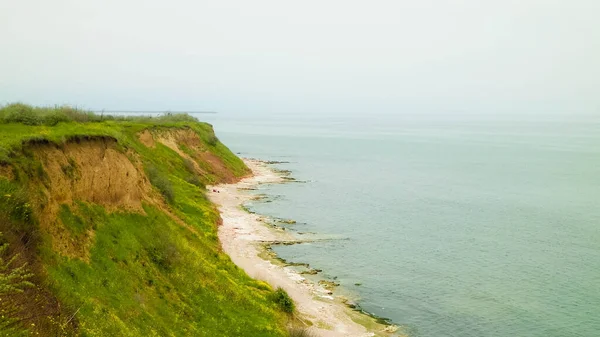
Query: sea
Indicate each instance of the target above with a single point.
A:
(447, 224)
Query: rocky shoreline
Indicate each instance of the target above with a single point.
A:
(247, 238)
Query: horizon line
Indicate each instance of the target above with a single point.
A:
(154, 111)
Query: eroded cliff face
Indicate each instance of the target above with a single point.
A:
(91, 170)
(96, 170)
(190, 146)
(113, 222)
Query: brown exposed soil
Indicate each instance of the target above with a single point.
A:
(94, 170)
(171, 140)
(218, 167)
(196, 151)
(146, 138)
(91, 171)
(187, 137)
(6, 171)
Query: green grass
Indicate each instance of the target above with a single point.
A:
(147, 274)
(31, 115)
(74, 223)
(14, 202)
(150, 276)
(27, 124)
(161, 182)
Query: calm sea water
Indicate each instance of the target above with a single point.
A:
(452, 226)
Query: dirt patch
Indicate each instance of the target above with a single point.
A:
(218, 168)
(64, 242)
(205, 162)
(170, 139)
(188, 137)
(6, 171)
(147, 139)
(92, 171)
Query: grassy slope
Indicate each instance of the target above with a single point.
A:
(147, 274)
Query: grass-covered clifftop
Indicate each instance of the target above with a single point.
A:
(106, 230)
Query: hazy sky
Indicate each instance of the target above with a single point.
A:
(303, 56)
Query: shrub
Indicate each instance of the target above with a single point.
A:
(162, 183)
(284, 300)
(21, 113)
(189, 165)
(78, 115)
(15, 109)
(195, 180)
(164, 254)
(212, 140)
(175, 117)
(29, 115)
(54, 118)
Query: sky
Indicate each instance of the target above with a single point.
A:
(312, 57)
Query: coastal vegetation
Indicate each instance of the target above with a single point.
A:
(107, 230)
(283, 299)
(301, 332)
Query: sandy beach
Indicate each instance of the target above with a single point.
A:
(241, 236)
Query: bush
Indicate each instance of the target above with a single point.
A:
(77, 115)
(164, 254)
(29, 115)
(54, 118)
(195, 180)
(21, 113)
(212, 140)
(162, 183)
(189, 165)
(284, 300)
(15, 109)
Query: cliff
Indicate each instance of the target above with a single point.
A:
(107, 230)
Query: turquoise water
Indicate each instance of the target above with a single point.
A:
(453, 226)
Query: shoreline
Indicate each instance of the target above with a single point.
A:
(245, 237)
